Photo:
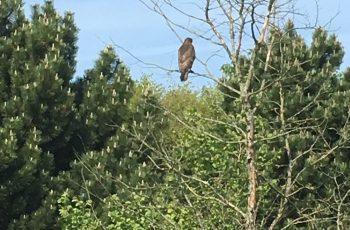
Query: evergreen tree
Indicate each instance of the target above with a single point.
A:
(103, 100)
(119, 173)
(102, 151)
(36, 64)
(303, 137)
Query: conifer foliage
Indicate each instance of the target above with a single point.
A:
(37, 61)
(106, 152)
(56, 131)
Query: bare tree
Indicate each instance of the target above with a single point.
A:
(233, 26)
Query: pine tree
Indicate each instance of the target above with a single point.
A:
(115, 168)
(36, 64)
(102, 100)
(300, 100)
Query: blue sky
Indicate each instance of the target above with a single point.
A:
(144, 33)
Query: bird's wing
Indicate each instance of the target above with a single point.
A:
(186, 57)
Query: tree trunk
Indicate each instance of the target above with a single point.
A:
(251, 164)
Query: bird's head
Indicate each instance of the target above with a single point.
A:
(188, 40)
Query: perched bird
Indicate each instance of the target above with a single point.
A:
(186, 58)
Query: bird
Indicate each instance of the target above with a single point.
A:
(187, 55)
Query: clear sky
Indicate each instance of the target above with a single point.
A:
(145, 34)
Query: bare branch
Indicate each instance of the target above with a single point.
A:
(267, 20)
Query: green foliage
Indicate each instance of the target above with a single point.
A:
(106, 152)
(190, 172)
(77, 214)
(36, 64)
(200, 162)
(119, 171)
(102, 100)
(132, 214)
(303, 111)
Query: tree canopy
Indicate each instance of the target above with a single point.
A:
(266, 147)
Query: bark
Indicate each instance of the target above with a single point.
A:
(252, 175)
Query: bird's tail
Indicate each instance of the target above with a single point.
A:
(184, 76)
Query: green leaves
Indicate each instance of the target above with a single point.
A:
(109, 152)
(77, 214)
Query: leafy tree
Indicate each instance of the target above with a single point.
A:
(152, 193)
(182, 102)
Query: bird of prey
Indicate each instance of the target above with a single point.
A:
(186, 58)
